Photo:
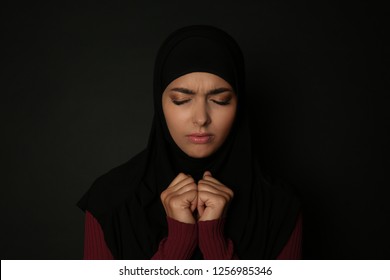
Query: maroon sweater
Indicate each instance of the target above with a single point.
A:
(182, 240)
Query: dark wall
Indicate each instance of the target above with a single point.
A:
(76, 101)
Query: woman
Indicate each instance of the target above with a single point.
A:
(174, 200)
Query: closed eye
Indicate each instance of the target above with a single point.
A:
(223, 103)
(180, 102)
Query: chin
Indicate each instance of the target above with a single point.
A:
(199, 153)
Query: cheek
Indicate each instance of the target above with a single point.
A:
(174, 118)
(224, 120)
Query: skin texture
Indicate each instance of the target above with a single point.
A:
(210, 197)
(200, 113)
(198, 103)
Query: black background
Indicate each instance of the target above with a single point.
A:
(76, 100)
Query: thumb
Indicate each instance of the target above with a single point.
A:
(207, 173)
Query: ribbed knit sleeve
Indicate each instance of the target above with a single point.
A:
(180, 243)
(212, 242)
(95, 247)
(182, 240)
(293, 248)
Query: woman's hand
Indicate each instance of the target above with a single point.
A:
(180, 199)
(213, 198)
(210, 197)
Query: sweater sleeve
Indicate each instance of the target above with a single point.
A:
(212, 242)
(95, 247)
(293, 248)
(182, 240)
(214, 245)
(180, 243)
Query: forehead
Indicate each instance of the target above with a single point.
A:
(199, 79)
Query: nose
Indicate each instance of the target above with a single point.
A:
(201, 115)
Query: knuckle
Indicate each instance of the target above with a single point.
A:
(189, 187)
(193, 192)
(228, 191)
(163, 195)
(176, 203)
(173, 202)
(221, 200)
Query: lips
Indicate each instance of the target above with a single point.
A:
(200, 138)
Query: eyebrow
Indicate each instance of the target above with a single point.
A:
(210, 92)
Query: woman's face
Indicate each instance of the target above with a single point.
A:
(199, 109)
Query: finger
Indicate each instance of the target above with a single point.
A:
(194, 203)
(207, 197)
(209, 183)
(180, 177)
(210, 178)
(168, 194)
(179, 202)
(185, 188)
(180, 184)
(190, 196)
(181, 207)
(207, 174)
(200, 207)
(214, 188)
(214, 206)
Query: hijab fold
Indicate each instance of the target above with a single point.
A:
(126, 200)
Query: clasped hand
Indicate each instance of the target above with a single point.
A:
(183, 196)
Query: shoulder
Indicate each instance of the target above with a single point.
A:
(117, 184)
(122, 174)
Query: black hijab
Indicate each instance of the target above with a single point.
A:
(126, 200)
